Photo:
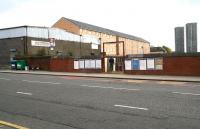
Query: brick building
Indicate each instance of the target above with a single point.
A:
(31, 40)
(132, 44)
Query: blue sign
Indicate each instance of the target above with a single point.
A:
(135, 64)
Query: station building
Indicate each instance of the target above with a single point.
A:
(132, 44)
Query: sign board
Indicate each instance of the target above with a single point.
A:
(143, 64)
(87, 64)
(98, 64)
(127, 64)
(135, 64)
(150, 63)
(81, 64)
(93, 64)
(76, 64)
(94, 46)
(40, 43)
(159, 63)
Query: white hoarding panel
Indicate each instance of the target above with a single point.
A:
(143, 64)
(40, 43)
(98, 64)
(81, 64)
(76, 64)
(93, 64)
(150, 63)
(87, 64)
(127, 64)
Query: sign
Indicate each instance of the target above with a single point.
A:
(127, 64)
(40, 43)
(87, 64)
(143, 64)
(98, 64)
(93, 64)
(150, 63)
(94, 46)
(159, 63)
(135, 64)
(52, 42)
(81, 64)
(76, 64)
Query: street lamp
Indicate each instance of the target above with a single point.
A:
(80, 46)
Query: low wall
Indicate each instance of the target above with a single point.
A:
(67, 65)
(180, 66)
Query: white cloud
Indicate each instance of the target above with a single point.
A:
(153, 20)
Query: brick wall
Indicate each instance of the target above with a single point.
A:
(180, 66)
(67, 65)
(6, 45)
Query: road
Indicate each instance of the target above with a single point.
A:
(64, 102)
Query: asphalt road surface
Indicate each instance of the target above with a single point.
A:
(64, 102)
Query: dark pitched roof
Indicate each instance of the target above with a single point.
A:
(157, 49)
(104, 30)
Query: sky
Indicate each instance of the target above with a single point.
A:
(152, 20)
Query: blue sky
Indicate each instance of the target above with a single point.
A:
(153, 20)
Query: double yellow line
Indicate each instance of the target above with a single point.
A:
(11, 125)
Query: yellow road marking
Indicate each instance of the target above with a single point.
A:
(171, 83)
(136, 81)
(12, 125)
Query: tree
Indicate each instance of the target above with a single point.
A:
(167, 49)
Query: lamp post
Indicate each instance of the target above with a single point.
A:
(80, 47)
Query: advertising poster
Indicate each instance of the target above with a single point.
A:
(92, 64)
(81, 64)
(127, 64)
(135, 64)
(143, 64)
(76, 64)
(98, 64)
(150, 63)
(87, 64)
(159, 63)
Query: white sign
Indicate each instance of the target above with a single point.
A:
(76, 64)
(98, 64)
(143, 65)
(93, 64)
(87, 64)
(94, 46)
(40, 43)
(127, 64)
(81, 64)
(150, 63)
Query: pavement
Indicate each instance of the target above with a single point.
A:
(71, 102)
(113, 76)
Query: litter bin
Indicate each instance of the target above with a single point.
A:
(13, 65)
(21, 64)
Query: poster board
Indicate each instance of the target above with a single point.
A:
(81, 64)
(128, 65)
(159, 63)
(135, 64)
(92, 64)
(98, 64)
(143, 64)
(87, 64)
(76, 64)
(150, 64)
